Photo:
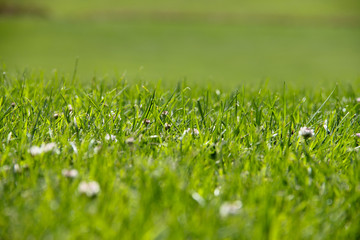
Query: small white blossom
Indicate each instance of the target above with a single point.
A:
(48, 147)
(44, 148)
(193, 131)
(110, 137)
(90, 189)
(306, 132)
(70, 108)
(17, 168)
(167, 126)
(217, 191)
(130, 141)
(35, 150)
(357, 135)
(70, 173)
(358, 99)
(230, 208)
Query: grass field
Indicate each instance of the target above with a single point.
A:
(179, 119)
(217, 165)
(226, 43)
(227, 54)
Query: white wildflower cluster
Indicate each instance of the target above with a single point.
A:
(230, 208)
(44, 148)
(306, 132)
(130, 141)
(109, 137)
(90, 189)
(192, 131)
(70, 173)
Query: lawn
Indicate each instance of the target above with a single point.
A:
(226, 43)
(216, 53)
(179, 120)
(111, 160)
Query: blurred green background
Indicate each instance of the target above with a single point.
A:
(227, 43)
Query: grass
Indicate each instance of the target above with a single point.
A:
(217, 53)
(226, 161)
(305, 8)
(223, 43)
(247, 174)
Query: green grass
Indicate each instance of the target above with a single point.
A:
(324, 8)
(215, 66)
(226, 43)
(203, 52)
(162, 185)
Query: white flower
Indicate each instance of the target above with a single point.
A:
(110, 137)
(230, 208)
(306, 132)
(35, 150)
(167, 126)
(358, 99)
(48, 147)
(44, 148)
(130, 141)
(217, 191)
(193, 131)
(17, 168)
(70, 173)
(90, 189)
(70, 108)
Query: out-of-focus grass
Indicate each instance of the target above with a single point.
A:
(233, 42)
(66, 8)
(200, 51)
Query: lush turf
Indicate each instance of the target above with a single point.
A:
(223, 163)
(202, 52)
(323, 8)
(247, 174)
(223, 42)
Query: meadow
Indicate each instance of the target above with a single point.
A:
(221, 43)
(179, 119)
(117, 160)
